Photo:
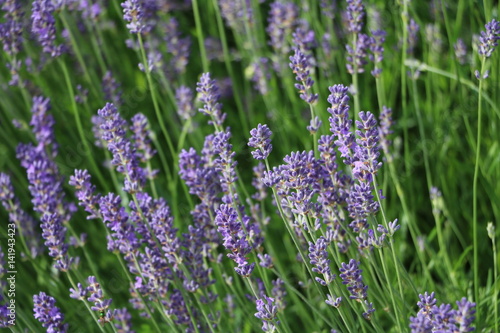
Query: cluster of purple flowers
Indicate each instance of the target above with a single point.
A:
(125, 157)
(46, 184)
(209, 95)
(488, 39)
(94, 293)
(44, 26)
(351, 276)
(261, 140)
(48, 314)
(442, 318)
(299, 64)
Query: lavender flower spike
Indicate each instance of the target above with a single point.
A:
(488, 39)
(355, 14)
(44, 26)
(209, 94)
(133, 13)
(47, 313)
(340, 123)
(261, 140)
(234, 238)
(124, 156)
(266, 311)
(300, 65)
(319, 259)
(351, 276)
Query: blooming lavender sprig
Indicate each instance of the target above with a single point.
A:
(377, 51)
(12, 28)
(26, 224)
(101, 305)
(442, 318)
(209, 94)
(460, 51)
(351, 276)
(488, 39)
(122, 237)
(124, 154)
(267, 311)
(141, 134)
(318, 257)
(385, 130)
(281, 21)
(340, 123)
(261, 140)
(300, 66)
(366, 155)
(261, 75)
(234, 238)
(184, 100)
(47, 313)
(225, 162)
(44, 26)
(42, 123)
(85, 193)
(123, 320)
(237, 13)
(133, 13)
(355, 14)
(413, 29)
(177, 46)
(357, 54)
(111, 89)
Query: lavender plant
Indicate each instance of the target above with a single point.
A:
(126, 210)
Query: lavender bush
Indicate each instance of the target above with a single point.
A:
(249, 165)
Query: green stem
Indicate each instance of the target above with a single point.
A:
(79, 125)
(474, 191)
(201, 38)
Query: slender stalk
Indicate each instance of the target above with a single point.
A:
(79, 127)
(201, 39)
(474, 190)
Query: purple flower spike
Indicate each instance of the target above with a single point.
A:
(351, 276)
(44, 26)
(333, 301)
(282, 19)
(319, 259)
(460, 51)
(111, 89)
(464, 316)
(299, 64)
(85, 193)
(209, 94)
(267, 311)
(261, 140)
(113, 128)
(384, 130)
(123, 320)
(141, 136)
(355, 15)
(237, 13)
(11, 29)
(340, 123)
(377, 49)
(184, 100)
(234, 239)
(413, 29)
(357, 54)
(488, 39)
(133, 13)
(47, 313)
(367, 151)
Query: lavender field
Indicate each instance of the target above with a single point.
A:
(320, 166)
